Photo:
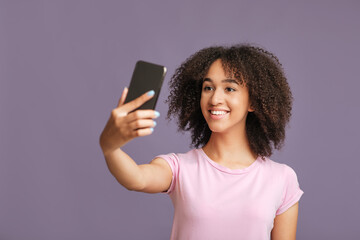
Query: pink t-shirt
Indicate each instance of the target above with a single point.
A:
(214, 202)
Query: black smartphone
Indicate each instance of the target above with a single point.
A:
(146, 76)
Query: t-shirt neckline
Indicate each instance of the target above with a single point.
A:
(222, 168)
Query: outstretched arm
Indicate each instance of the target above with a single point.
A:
(123, 125)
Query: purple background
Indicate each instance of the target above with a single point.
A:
(63, 65)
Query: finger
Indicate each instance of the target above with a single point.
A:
(130, 106)
(143, 132)
(142, 114)
(142, 123)
(123, 97)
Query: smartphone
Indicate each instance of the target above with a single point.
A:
(146, 76)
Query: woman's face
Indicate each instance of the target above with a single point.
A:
(224, 102)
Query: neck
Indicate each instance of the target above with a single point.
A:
(231, 147)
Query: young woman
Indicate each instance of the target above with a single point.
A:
(236, 102)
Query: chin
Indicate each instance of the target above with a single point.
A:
(217, 129)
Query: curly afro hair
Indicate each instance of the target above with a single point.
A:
(269, 94)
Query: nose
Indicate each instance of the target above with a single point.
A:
(217, 97)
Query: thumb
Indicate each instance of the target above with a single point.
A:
(123, 97)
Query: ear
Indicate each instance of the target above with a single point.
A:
(251, 109)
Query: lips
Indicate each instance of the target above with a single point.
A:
(217, 114)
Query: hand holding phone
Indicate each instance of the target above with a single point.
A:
(124, 123)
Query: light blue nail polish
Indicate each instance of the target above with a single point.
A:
(157, 114)
(151, 93)
(152, 129)
(155, 124)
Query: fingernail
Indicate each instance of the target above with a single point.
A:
(152, 129)
(157, 114)
(155, 124)
(151, 93)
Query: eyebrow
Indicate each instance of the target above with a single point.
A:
(228, 80)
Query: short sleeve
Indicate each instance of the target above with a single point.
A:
(173, 162)
(291, 192)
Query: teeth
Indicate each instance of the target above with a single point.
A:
(218, 112)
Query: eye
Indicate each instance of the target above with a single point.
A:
(229, 89)
(207, 88)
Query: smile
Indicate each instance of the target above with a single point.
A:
(218, 112)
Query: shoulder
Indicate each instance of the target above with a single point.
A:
(277, 167)
(179, 157)
(178, 162)
(176, 159)
(285, 178)
(281, 171)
